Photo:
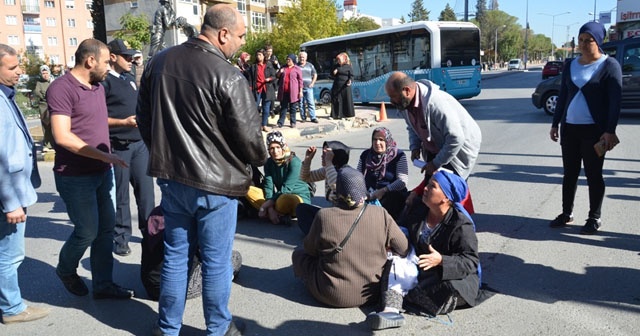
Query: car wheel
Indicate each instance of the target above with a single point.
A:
(325, 97)
(549, 102)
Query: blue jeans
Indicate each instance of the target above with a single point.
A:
(11, 256)
(91, 210)
(196, 218)
(309, 101)
(286, 105)
(266, 107)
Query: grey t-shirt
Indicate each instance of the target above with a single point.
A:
(308, 70)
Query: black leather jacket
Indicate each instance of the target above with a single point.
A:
(197, 116)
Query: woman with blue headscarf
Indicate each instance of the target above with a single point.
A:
(446, 249)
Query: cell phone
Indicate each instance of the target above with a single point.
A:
(600, 147)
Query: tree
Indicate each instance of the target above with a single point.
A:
(402, 19)
(135, 30)
(306, 20)
(99, 24)
(418, 12)
(359, 24)
(481, 9)
(447, 14)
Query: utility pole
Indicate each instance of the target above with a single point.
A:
(526, 38)
(466, 10)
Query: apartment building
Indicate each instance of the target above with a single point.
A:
(51, 29)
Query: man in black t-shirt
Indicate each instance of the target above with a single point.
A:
(122, 95)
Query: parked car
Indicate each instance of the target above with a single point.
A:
(552, 68)
(515, 64)
(626, 52)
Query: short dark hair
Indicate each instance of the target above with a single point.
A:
(267, 46)
(89, 47)
(6, 50)
(398, 83)
(218, 17)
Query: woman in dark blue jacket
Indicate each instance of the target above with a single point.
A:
(588, 108)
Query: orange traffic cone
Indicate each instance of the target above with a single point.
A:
(383, 113)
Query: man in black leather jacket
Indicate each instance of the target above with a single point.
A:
(196, 114)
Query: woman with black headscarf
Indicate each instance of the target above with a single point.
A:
(335, 155)
(343, 256)
(385, 171)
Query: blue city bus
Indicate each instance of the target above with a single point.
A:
(444, 52)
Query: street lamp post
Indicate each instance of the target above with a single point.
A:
(553, 24)
(495, 49)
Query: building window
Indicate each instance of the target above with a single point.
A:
(10, 2)
(11, 20)
(50, 4)
(13, 40)
(73, 42)
(51, 22)
(90, 24)
(88, 5)
(52, 40)
(134, 4)
(71, 22)
(258, 21)
(54, 59)
(242, 6)
(69, 4)
(258, 1)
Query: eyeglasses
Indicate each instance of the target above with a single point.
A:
(586, 41)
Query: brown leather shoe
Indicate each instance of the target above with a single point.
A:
(28, 315)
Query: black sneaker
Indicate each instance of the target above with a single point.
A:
(561, 221)
(236, 328)
(122, 249)
(113, 291)
(73, 284)
(315, 121)
(385, 320)
(591, 226)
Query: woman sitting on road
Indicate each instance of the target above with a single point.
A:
(446, 255)
(385, 171)
(283, 188)
(350, 276)
(335, 155)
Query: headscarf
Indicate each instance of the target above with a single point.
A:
(293, 58)
(596, 30)
(43, 68)
(340, 153)
(455, 188)
(351, 190)
(377, 162)
(278, 138)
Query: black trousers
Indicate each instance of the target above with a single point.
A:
(577, 148)
(136, 156)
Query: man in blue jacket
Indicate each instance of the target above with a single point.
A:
(18, 177)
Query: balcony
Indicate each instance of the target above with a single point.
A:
(32, 28)
(31, 9)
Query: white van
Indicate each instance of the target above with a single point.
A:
(515, 64)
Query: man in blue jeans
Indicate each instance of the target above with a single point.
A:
(203, 133)
(83, 171)
(18, 177)
(309, 76)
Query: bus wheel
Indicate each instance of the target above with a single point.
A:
(325, 97)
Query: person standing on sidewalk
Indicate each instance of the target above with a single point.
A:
(203, 133)
(40, 93)
(83, 171)
(18, 177)
(289, 90)
(122, 98)
(309, 76)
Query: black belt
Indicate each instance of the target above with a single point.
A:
(124, 141)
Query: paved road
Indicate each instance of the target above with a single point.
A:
(551, 282)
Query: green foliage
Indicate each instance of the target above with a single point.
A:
(255, 42)
(447, 14)
(99, 25)
(305, 21)
(418, 12)
(31, 64)
(360, 24)
(135, 30)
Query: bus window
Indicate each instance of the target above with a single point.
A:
(459, 48)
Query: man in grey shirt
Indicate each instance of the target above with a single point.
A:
(309, 76)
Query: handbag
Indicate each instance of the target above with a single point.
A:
(436, 299)
(339, 248)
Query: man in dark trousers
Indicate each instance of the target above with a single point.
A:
(122, 97)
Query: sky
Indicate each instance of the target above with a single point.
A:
(538, 22)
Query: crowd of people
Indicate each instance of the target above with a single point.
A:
(378, 242)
